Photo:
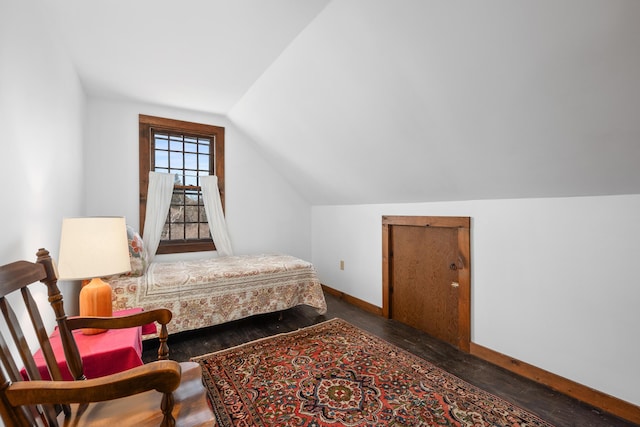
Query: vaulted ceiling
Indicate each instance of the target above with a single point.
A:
(380, 101)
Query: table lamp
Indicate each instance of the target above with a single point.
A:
(92, 248)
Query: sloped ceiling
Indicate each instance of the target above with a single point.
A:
(199, 55)
(365, 101)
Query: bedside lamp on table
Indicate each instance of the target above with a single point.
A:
(91, 248)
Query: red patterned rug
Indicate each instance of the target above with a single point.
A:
(334, 374)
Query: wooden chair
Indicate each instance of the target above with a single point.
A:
(161, 393)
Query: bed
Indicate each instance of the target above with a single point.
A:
(211, 291)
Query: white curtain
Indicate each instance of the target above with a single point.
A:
(215, 216)
(158, 202)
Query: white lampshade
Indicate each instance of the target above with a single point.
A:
(93, 247)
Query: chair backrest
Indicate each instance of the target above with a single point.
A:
(16, 278)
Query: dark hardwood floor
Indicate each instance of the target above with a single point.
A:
(549, 405)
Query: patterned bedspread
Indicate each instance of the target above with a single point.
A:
(211, 291)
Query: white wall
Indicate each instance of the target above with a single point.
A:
(264, 213)
(41, 117)
(554, 282)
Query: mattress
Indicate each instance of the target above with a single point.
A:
(212, 291)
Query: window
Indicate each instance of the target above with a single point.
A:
(188, 150)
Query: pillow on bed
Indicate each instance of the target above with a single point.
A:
(137, 253)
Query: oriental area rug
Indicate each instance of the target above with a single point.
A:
(334, 374)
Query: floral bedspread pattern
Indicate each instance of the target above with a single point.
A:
(211, 291)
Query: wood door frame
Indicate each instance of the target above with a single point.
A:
(463, 224)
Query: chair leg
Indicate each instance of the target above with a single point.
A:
(167, 408)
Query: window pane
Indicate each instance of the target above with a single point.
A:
(175, 160)
(190, 161)
(191, 213)
(190, 148)
(177, 198)
(177, 231)
(191, 231)
(175, 142)
(190, 180)
(161, 159)
(204, 231)
(162, 170)
(191, 197)
(161, 141)
(178, 172)
(203, 162)
(204, 147)
(176, 214)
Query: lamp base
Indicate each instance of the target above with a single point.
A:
(95, 300)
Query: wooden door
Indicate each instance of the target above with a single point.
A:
(426, 275)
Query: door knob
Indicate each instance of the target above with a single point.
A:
(457, 265)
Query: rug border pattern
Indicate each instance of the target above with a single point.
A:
(225, 421)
